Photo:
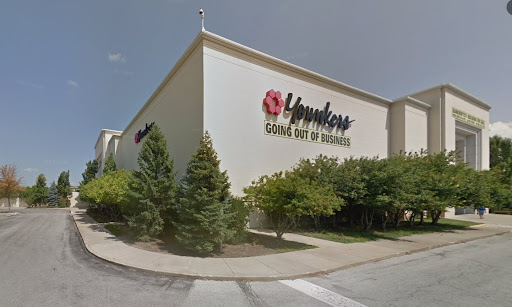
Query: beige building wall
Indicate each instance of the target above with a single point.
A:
(433, 98)
(236, 81)
(177, 108)
(458, 101)
(416, 128)
(101, 147)
(409, 126)
(15, 203)
(75, 201)
(112, 148)
(397, 137)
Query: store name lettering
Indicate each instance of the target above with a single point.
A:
(322, 117)
(142, 133)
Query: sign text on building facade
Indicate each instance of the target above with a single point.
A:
(303, 134)
(468, 118)
(322, 117)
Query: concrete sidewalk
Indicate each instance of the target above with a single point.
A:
(327, 257)
(494, 220)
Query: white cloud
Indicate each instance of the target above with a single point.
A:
(72, 83)
(502, 129)
(29, 84)
(30, 170)
(116, 57)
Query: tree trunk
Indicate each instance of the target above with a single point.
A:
(436, 214)
(411, 219)
(9, 201)
(367, 219)
(316, 219)
(385, 218)
(351, 215)
(422, 218)
(398, 217)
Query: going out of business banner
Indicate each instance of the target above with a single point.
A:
(304, 134)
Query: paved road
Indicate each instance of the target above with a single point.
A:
(42, 263)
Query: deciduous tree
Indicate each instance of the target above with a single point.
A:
(9, 182)
(108, 192)
(63, 186)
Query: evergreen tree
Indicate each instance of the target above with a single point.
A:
(91, 169)
(53, 195)
(204, 202)
(110, 165)
(152, 189)
(63, 185)
(40, 191)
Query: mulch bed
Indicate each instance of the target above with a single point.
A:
(256, 245)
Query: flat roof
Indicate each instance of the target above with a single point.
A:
(459, 91)
(114, 132)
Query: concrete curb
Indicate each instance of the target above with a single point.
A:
(281, 276)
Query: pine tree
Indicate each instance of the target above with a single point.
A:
(152, 189)
(204, 202)
(110, 165)
(53, 195)
(40, 190)
(63, 185)
(91, 169)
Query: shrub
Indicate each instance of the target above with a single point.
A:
(108, 193)
(506, 212)
(239, 212)
(286, 197)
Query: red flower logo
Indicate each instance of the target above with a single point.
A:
(273, 102)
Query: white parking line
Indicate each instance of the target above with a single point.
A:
(321, 294)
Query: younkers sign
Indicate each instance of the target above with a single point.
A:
(142, 133)
(325, 117)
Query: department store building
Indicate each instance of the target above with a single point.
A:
(264, 114)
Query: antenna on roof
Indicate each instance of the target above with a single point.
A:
(201, 12)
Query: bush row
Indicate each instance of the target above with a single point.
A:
(363, 191)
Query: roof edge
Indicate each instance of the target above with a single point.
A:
(290, 67)
(413, 101)
(169, 76)
(116, 132)
(471, 97)
(459, 91)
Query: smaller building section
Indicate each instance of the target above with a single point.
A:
(107, 143)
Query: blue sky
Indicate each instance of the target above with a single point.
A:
(70, 68)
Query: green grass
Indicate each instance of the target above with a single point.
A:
(96, 216)
(349, 235)
(506, 211)
(118, 229)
